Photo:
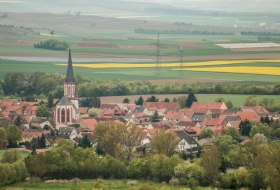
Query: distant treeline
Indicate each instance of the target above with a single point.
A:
(252, 33)
(268, 38)
(42, 84)
(181, 32)
(52, 45)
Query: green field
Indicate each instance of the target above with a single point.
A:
(96, 184)
(134, 73)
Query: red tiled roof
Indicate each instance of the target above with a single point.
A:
(200, 110)
(175, 115)
(6, 103)
(208, 105)
(34, 134)
(83, 110)
(89, 123)
(251, 116)
(186, 123)
(213, 122)
(163, 105)
(234, 123)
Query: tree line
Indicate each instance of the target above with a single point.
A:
(52, 44)
(181, 32)
(39, 85)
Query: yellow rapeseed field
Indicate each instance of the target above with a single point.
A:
(245, 70)
(174, 64)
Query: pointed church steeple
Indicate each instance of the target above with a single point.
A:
(69, 75)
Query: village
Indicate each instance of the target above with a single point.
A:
(195, 127)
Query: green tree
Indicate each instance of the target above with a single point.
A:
(93, 112)
(225, 143)
(42, 142)
(211, 160)
(251, 101)
(206, 133)
(50, 101)
(189, 174)
(162, 166)
(43, 111)
(190, 99)
(139, 168)
(262, 129)
(152, 99)
(234, 133)
(126, 100)
(155, 117)
(10, 156)
(3, 138)
(166, 100)
(140, 101)
(229, 104)
(13, 135)
(165, 142)
(245, 127)
(85, 143)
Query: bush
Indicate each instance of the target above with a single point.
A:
(52, 45)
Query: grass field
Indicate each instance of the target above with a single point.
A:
(134, 73)
(95, 184)
(236, 99)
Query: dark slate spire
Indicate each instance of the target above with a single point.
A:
(69, 75)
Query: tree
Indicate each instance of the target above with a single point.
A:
(189, 174)
(229, 104)
(18, 121)
(190, 99)
(165, 142)
(13, 135)
(251, 101)
(50, 101)
(43, 111)
(261, 129)
(126, 100)
(152, 99)
(117, 140)
(42, 141)
(155, 117)
(211, 160)
(245, 127)
(85, 143)
(10, 156)
(206, 133)
(140, 101)
(166, 100)
(224, 143)
(93, 112)
(132, 139)
(3, 138)
(233, 132)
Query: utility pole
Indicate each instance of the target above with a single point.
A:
(158, 65)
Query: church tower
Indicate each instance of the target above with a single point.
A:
(70, 83)
(67, 109)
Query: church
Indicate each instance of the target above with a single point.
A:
(67, 109)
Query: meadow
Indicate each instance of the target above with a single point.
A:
(96, 184)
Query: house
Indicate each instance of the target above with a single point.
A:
(168, 106)
(175, 116)
(250, 116)
(260, 110)
(68, 132)
(198, 117)
(88, 123)
(42, 122)
(186, 142)
(83, 110)
(209, 105)
(29, 134)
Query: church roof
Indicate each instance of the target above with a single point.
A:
(64, 101)
(69, 75)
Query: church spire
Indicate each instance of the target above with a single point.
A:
(69, 75)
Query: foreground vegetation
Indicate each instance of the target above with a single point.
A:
(230, 163)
